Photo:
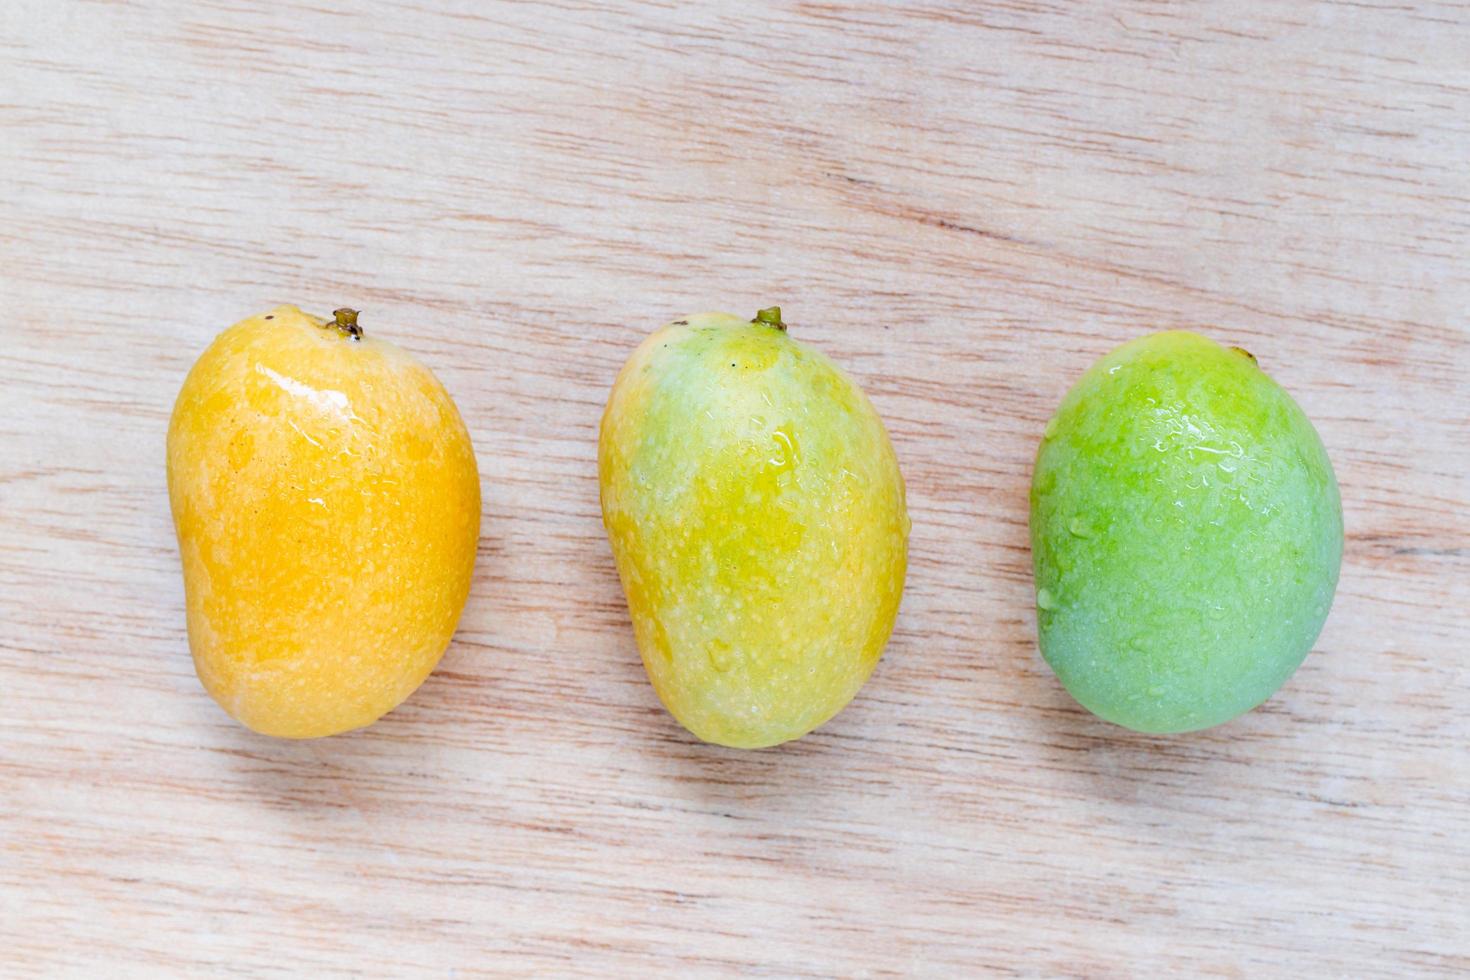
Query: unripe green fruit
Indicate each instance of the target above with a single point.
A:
(1186, 535)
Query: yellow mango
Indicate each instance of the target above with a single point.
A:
(327, 504)
(757, 518)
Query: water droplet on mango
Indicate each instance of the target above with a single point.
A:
(718, 652)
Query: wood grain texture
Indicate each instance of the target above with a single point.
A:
(962, 203)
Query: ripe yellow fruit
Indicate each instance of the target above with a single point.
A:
(327, 504)
(757, 517)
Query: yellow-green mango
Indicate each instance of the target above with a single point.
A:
(757, 517)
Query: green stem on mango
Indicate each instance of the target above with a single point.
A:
(770, 316)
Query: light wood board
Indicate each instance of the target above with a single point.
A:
(962, 203)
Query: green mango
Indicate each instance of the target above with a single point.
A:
(757, 518)
(1186, 535)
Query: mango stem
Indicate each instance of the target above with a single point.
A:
(771, 316)
(347, 323)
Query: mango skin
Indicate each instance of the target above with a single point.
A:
(327, 504)
(1186, 534)
(757, 517)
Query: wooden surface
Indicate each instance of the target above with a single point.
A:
(964, 204)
